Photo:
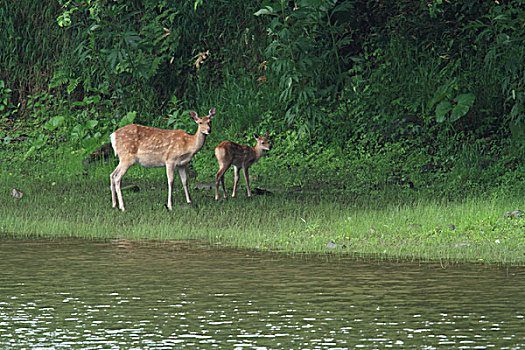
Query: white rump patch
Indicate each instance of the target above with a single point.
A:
(112, 138)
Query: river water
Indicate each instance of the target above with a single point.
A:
(75, 294)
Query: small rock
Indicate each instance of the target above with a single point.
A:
(261, 192)
(204, 185)
(331, 245)
(17, 194)
(516, 214)
(372, 230)
(131, 187)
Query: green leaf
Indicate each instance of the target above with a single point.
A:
(73, 83)
(57, 121)
(54, 123)
(127, 119)
(440, 94)
(196, 4)
(344, 6)
(92, 99)
(77, 132)
(514, 112)
(132, 39)
(29, 152)
(464, 103)
(441, 110)
(465, 99)
(267, 10)
(91, 123)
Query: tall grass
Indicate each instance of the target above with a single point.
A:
(30, 45)
(76, 203)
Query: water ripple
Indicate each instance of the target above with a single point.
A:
(85, 295)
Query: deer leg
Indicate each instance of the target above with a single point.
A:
(184, 180)
(219, 178)
(116, 177)
(223, 187)
(113, 190)
(235, 180)
(246, 178)
(169, 174)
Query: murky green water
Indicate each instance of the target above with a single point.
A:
(83, 295)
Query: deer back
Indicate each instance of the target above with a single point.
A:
(151, 147)
(233, 153)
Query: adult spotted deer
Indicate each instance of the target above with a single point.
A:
(240, 156)
(156, 148)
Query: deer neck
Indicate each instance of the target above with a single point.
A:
(258, 152)
(198, 140)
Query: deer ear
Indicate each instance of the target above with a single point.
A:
(212, 112)
(266, 135)
(194, 115)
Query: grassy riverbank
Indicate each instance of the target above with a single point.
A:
(77, 203)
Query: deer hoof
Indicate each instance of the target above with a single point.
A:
(188, 206)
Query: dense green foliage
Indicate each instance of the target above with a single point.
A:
(359, 96)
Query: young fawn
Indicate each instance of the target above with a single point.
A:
(241, 156)
(156, 148)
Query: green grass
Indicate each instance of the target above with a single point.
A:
(62, 199)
